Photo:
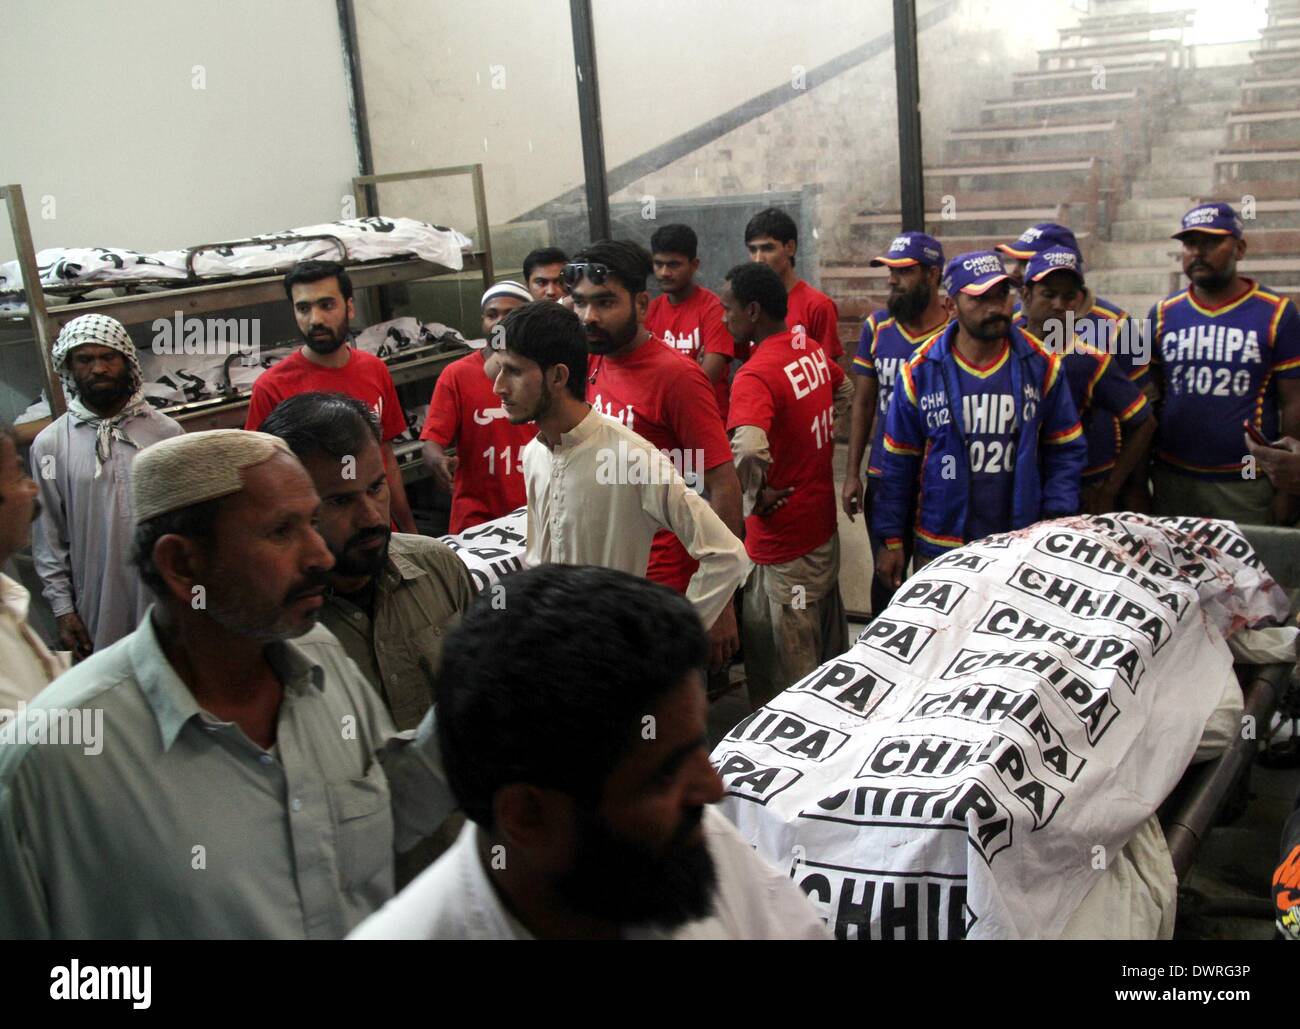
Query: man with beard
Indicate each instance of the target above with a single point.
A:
(321, 295)
(580, 759)
(636, 379)
(485, 476)
(392, 595)
(246, 781)
(1230, 351)
(26, 664)
(981, 429)
(793, 614)
(685, 315)
(82, 461)
(597, 492)
(915, 312)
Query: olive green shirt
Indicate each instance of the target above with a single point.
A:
(419, 594)
(162, 821)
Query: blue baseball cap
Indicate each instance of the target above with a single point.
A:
(973, 273)
(1037, 238)
(1054, 259)
(1218, 219)
(909, 248)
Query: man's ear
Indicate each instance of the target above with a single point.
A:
(179, 562)
(1241, 248)
(352, 308)
(536, 822)
(642, 304)
(558, 376)
(695, 265)
(791, 248)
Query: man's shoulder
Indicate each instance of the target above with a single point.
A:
(362, 361)
(45, 439)
(424, 552)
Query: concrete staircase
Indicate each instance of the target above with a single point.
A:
(1141, 263)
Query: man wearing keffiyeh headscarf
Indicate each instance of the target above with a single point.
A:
(82, 463)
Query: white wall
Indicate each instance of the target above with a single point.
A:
(102, 116)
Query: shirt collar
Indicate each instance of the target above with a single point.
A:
(14, 598)
(399, 564)
(171, 700)
(581, 432)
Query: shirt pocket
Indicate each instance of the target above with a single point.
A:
(363, 829)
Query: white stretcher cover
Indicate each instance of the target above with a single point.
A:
(364, 239)
(492, 550)
(994, 740)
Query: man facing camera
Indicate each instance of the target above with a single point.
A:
(580, 760)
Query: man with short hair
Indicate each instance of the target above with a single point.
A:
(485, 476)
(81, 461)
(916, 311)
(1118, 423)
(598, 493)
(685, 315)
(584, 823)
(544, 273)
(785, 399)
(773, 238)
(26, 664)
(982, 436)
(321, 295)
(1230, 353)
(391, 595)
(634, 378)
(241, 778)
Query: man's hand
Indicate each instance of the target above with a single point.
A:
(889, 566)
(444, 469)
(724, 638)
(769, 500)
(1281, 466)
(851, 495)
(74, 637)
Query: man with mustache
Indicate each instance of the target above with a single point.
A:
(485, 476)
(981, 436)
(1230, 353)
(391, 595)
(26, 664)
(916, 311)
(246, 781)
(321, 295)
(636, 378)
(580, 760)
(82, 463)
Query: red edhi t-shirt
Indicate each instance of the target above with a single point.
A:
(694, 328)
(789, 393)
(669, 402)
(817, 314)
(489, 476)
(364, 377)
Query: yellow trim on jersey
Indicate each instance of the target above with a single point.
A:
(1254, 288)
(1133, 408)
(1065, 435)
(982, 373)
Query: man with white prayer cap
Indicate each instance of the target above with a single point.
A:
(82, 464)
(233, 775)
(485, 475)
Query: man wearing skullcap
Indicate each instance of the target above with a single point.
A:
(485, 476)
(245, 780)
(82, 464)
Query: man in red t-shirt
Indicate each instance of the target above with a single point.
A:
(321, 294)
(773, 238)
(485, 476)
(666, 399)
(784, 402)
(685, 315)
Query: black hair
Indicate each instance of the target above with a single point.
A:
(551, 686)
(314, 271)
(198, 522)
(550, 334)
(773, 222)
(544, 255)
(333, 424)
(754, 282)
(675, 239)
(628, 262)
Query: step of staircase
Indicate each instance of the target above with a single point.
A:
(1152, 253)
(1165, 209)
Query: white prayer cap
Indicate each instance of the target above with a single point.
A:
(507, 288)
(196, 466)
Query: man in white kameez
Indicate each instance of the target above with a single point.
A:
(82, 463)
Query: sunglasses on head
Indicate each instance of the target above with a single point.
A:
(576, 271)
